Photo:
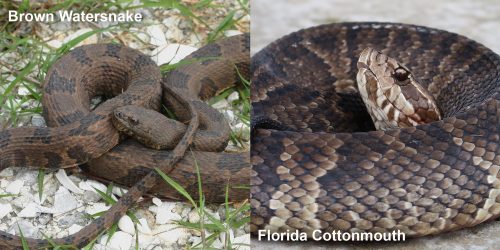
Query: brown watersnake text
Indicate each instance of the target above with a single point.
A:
(86, 136)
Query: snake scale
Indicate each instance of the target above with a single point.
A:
(80, 136)
(319, 164)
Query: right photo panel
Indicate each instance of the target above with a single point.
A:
(375, 124)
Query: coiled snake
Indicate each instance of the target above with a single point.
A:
(319, 164)
(88, 137)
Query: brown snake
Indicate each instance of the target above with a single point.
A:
(86, 136)
(392, 95)
(317, 162)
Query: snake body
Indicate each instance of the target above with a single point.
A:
(319, 164)
(80, 135)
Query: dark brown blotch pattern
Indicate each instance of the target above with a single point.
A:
(113, 50)
(422, 180)
(80, 55)
(59, 84)
(88, 136)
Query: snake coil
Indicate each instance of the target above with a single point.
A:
(80, 135)
(328, 170)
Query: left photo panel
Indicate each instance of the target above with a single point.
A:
(125, 124)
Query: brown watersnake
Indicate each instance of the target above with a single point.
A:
(319, 164)
(88, 137)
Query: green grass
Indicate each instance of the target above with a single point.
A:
(8, 195)
(32, 75)
(108, 198)
(40, 178)
(33, 58)
(24, 243)
(236, 218)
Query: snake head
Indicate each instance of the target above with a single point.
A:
(392, 95)
(124, 118)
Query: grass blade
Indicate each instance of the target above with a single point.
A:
(215, 221)
(41, 176)
(24, 243)
(106, 197)
(25, 5)
(19, 78)
(169, 67)
(221, 96)
(111, 232)
(200, 189)
(176, 186)
(226, 23)
(90, 246)
(8, 195)
(190, 225)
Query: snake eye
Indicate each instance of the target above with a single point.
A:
(401, 75)
(118, 114)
